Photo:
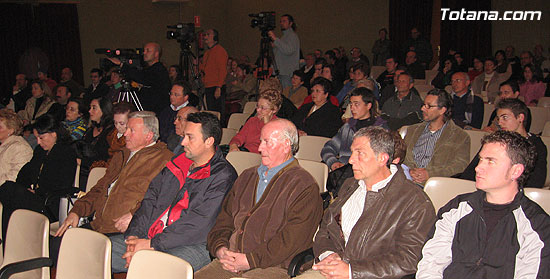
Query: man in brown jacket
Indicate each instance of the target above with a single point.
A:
(116, 196)
(270, 214)
(378, 224)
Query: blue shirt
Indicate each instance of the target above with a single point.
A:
(266, 175)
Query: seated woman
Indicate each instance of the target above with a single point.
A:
(320, 117)
(51, 169)
(502, 64)
(297, 92)
(248, 137)
(94, 146)
(76, 118)
(242, 86)
(116, 138)
(174, 73)
(477, 70)
(531, 88)
(446, 69)
(14, 149)
(38, 105)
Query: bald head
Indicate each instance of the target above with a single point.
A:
(151, 53)
(181, 119)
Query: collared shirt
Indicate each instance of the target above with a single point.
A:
(266, 175)
(424, 148)
(180, 107)
(132, 153)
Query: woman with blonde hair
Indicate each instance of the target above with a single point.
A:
(15, 152)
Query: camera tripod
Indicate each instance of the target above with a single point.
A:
(265, 48)
(129, 95)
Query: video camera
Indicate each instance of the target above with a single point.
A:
(184, 32)
(130, 56)
(265, 21)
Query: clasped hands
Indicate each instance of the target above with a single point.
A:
(232, 261)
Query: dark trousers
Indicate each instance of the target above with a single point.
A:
(211, 102)
(15, 196)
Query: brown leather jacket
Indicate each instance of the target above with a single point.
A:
(272, 231)
(133, 179)
(387, 240)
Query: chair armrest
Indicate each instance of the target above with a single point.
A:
(298, 261)
(22, 266)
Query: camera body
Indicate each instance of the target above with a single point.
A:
(183, 32)
(265, 21)
(130, 56)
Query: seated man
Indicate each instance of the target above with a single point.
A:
(180, 121)
(467, 107)
(117, 196)
(378, 224)
(404, 107)
(179, 98)
(182, 201)
(511, 117)
(495, 232)
(508, 89)
(436, 147)
(270, 214)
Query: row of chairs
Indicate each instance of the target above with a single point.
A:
(83, 254)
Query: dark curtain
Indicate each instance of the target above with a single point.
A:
(472, 38)
(404, 15)
(45, 34)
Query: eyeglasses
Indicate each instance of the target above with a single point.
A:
(263, 108)
(428, 106)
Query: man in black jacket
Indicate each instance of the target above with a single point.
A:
(154, 79)
(183, 200)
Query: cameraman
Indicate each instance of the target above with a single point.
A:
(154, 78)
(213, 68)
(286, 50)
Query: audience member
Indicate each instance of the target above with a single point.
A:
(404, 107)
(45, 77)
(286, 50)
(179, 98)
(364, 111)
(97, 88)
(243, 86)
(213, 68)
(248, 138)
(501, 62)
(296, 93)
(21, 92)
(468, 239)
(320, 117)
(76, 118)
(38, 105)
(62, 95)
(116, 86)
(116, 138)
(511, 117)
(477, 69)
(413, 66)
(508, 89)
(269, 215)
(467, 108)
(94, 145)
(360, 71)
(421, 47)
(531, 88)
(526, 58)
(460, 64)
(387, 76)
(182, 201)
(67, 80)
(174, 141)
(486, 85)
(436, 147)
(51, 169)
(381, 49)
(153, 78)
(377, 226)
(329, 72)
(174, 74)
(446, 70)
(15, 152)
(318, 66)
(308, 70)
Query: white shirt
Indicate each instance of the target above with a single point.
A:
(180, 107)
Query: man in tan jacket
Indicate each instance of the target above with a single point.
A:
(116, 196)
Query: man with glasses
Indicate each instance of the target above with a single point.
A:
(97, 88)
(436, 147)
(179, 98)
(467, 107)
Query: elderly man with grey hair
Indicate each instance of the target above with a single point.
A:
(270, 214)
(378, 224)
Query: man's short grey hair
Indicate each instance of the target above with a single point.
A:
(290, 133)
(381, 140)
(150, 121)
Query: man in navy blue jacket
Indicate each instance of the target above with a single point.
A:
(182, 202)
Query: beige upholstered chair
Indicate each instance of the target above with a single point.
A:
(539, 116)
(487, 110)
(27, 238)
(443, 189)
(540, 196)
(318, 170)
(475, 141)
(310, 148)
(84, 254)
(249, 107)
(227, 135)
(544, 102)
(216, 113)
(148, 264)
(237, 120)
(242, 160)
